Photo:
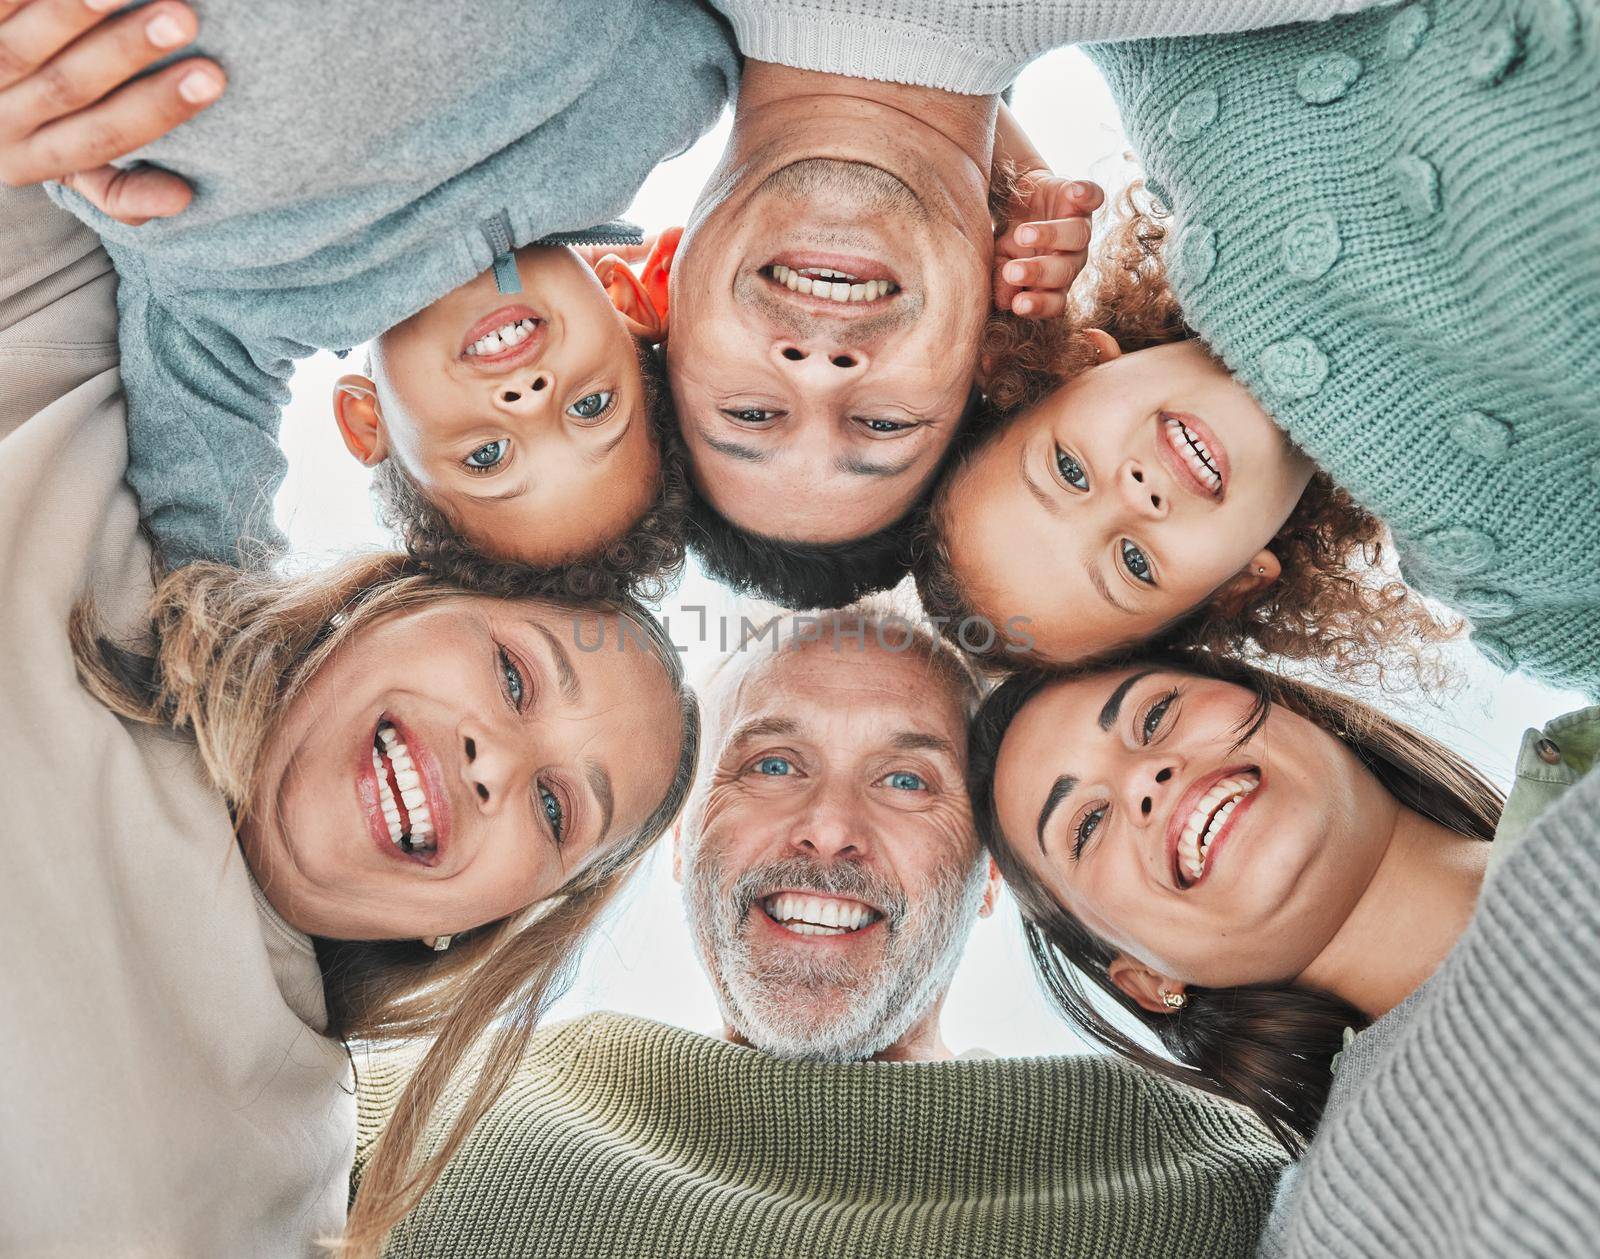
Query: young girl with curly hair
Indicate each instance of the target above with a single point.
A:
(1325, 337)
(1101, 463)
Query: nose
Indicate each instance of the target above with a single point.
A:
(1150, 788)
(1142, 490)
(490, 768)
(831, 827)
(524, 393)
(822, 361)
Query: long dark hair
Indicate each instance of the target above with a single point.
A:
(1269, 1047)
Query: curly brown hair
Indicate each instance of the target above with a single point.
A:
(643, 563)
(1334, 606)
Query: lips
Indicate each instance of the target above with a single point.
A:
(504, 339)
(835, 284)
(1204, 816)
(1193, 455)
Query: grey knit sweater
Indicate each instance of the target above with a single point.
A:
(979, 46)
(624, 1137)
(1466, 1121)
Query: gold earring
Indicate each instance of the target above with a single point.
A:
(1174, 1000)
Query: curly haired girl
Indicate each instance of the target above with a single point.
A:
(1103, 510)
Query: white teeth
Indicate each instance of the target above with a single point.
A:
(396, 756)
(1207, 818)
(1194, 453)
(503, 338)
(819, 915)
(834, 285)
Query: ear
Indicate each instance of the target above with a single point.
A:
(991, 890)
(1136, 980)
(355, 411)
(657, 271)
(628, 295)
(1103, 343)
(677, 851)
(1262, 571)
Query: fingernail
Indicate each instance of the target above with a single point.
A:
(1015, 272)
(164, 32)
(103, 6)
(1027, 235)
(197, 87)
(1024, 306)
(1080, 190)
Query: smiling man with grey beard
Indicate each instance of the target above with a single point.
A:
(830, 867)
(831, 875)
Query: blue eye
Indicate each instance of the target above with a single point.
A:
(554, 814)
(592, 406)
(1137, 563)
(904, 780)
(1087, 826)
(489, 455)
(515, 688)
(1071, 470)
(773, 766)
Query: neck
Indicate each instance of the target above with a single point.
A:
(923, 1041)
(1411, 915)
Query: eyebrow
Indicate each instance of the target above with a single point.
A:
(571, 688)
(761, 727)
(920, 741)
(1046, 501)
(1113, 706)
(600, 784)
(860, 467)
(1103, 590)
(748, 453)
(605, 450)
(1059, 791)
(515, 492)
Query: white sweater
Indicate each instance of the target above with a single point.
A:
(164, 1088)
(980, 46)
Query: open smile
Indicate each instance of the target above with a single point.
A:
(402, 793)
(507, 338)
(813, 914)
(1204, 816)
(1193, 455)
(836, 284)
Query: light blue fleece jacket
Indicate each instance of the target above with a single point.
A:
(367, 158)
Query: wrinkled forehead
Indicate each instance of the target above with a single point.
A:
(843, 683)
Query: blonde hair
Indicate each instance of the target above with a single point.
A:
(230, 650)
(1333, 607)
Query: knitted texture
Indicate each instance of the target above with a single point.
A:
(625, 1137)
(1388, 226)
(978, 48)
(1466, 1122)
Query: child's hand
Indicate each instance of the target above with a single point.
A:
(1036, 260)
(67, 106)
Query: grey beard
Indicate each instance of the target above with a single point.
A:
(776, 1002)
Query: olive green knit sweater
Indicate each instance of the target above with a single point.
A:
(1388, 225)
(625, 1137)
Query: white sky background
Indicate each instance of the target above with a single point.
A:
(643, 962)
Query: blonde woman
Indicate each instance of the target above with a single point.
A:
(433, 793)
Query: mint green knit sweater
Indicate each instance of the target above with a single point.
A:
(624, 1137)
(1388, 226)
